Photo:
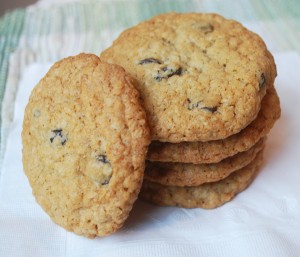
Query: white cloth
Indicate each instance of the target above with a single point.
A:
(264, 220)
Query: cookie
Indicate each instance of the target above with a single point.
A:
(201, 77)
(85, 138)
(185, 174)
(215, 151)
(209, 195)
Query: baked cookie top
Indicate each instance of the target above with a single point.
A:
(85, 138)
(201, 77)
(215, 151)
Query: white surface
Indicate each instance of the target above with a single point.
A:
(264, 220)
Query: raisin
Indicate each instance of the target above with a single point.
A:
(58, 133)
(191, 105)
(167, 72)
(262, 80)
(199, 105)
(207, 28)
(149, 60)
(102, 158)
(166, 40)
(210, 109)
(105, 182)
(103, 177)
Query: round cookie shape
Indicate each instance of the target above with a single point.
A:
(186, 174)
(215, 151)
(201, 77)
(207, 196)
(85, 138)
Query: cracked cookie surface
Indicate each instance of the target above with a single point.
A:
(201, 77)
(209, 195)
(85, 138)
(215, 151)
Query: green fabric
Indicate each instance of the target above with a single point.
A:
(11, 25)
(95, 15)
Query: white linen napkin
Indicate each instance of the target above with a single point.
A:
(264, 220)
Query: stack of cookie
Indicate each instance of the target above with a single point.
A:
(200, 87)
(207, 85)
(208, 174)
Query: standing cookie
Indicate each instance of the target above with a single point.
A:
(85, 138)
(201, 77)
